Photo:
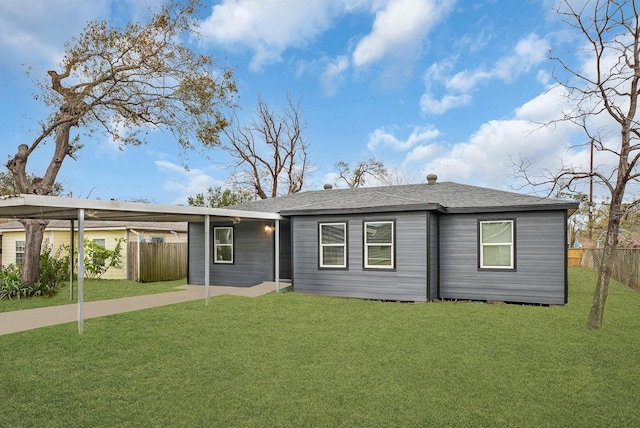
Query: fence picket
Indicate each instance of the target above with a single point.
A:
(158, 262)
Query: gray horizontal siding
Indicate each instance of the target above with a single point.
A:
(407, 282)
(433, 256)
(540, 260)
(253, 256)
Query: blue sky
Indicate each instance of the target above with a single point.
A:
(426, 86)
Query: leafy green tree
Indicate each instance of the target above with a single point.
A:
(8, 185)
(124, 82)
(218, 197)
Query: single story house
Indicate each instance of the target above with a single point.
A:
(103, 233)
(417, 242)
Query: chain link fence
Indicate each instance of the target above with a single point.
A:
(626, 264)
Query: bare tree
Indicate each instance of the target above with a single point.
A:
(608, 91)
(357, 176)
(270, 152)
(125, 82)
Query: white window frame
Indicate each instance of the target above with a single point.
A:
(323, 245)
(391, 245)
(19, 243)
(511, 245)
(217, 245)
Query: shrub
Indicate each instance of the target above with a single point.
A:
(11, 287)
(54, 269)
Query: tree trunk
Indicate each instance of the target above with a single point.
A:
(34, 232)
(34, 229)
(596, 314)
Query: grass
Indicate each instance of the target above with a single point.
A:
(100, 289)
(299, 360)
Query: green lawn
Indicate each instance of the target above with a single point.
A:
(100, 289)
(298, 360)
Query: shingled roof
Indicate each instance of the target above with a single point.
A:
(446, 197)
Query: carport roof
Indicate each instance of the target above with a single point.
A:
(52, 207)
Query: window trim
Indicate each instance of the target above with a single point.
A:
(15, 250)
(345, 245)
(365, 246)
(512, 266)
(216, 245)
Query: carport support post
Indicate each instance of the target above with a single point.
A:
(81, 271)
(207, 248)
(277, 251)
(71, 251)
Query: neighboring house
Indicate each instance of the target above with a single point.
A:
(418, 242)
(103, 233)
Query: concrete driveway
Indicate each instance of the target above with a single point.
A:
(29, 319)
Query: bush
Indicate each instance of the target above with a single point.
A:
(11, 287)
(53, 271)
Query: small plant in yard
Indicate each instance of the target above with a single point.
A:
(98, 259)
(11, 286)
(54, 269)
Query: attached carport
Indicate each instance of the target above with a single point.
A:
(39, 207)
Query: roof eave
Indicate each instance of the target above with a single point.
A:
(365, 210)
(570, 207)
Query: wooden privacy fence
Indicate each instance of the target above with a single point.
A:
(574, 257)
(626, 264)
(158, 262)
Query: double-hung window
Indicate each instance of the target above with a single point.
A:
(223, 244)
(333, 245)
(497, 244)
(379, 249)
(20, 248)
(96, 256)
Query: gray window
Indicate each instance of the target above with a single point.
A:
(223, 244)
(333, 245)
(379, 245)
(497, 247)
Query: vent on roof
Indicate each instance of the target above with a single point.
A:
(328, 186)
(431, 179)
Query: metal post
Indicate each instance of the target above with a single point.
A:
(81, 271)
(72, 251)
(277, 251)
(207, 249)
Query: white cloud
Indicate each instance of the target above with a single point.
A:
(423, 152)
(185, 182)
(268, 27)
(382, 138)
(333, 74)
(399, 29)
(456, 89)
(487, 157)
(27, 35)
(432, 105)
